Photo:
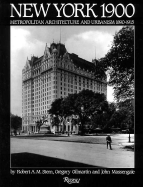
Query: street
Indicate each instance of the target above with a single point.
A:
(89, 154)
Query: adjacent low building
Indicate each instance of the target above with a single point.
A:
(55, 74)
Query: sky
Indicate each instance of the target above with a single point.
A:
(87, 42)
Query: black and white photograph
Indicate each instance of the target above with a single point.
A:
(72, 96)
(71, 93)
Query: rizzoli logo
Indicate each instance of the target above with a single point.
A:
(71, 180)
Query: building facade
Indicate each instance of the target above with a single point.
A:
(55, 74)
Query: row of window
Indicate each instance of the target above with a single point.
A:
(55, 82)
(38, 94)
(55, 87)
(63, 76)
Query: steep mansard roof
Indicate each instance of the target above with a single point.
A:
(83, 64)
(61, 50)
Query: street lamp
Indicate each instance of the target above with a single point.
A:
(133, 104)
(68, 128)
(82, 114)
(129, 136)
(129, 133)
(82, 108)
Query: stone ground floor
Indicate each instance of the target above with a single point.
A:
(67, 128)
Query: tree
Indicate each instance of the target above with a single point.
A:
(84, 104)
(119, 63)
(68, 107)
(102, 117)
(72, 105)
(55, 121)
(118, 118)
(56, 107)
(39, 124)
(128, 107)
(57, 112)
(16, 123)
(123, 117)
(108, 114)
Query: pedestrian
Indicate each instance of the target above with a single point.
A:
(108, 140)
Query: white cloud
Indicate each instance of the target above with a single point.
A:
(22, 46)
(18, 38)
(86, 43)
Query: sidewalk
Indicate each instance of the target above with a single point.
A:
(95, 155)
(117, 139)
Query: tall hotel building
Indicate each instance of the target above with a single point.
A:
(55, 74)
